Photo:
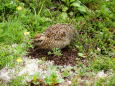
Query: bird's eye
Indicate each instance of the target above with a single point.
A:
(39, 41)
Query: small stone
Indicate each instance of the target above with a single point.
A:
(101, 74)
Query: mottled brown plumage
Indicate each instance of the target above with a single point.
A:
(56, 36)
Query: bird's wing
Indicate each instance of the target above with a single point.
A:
(55, 33)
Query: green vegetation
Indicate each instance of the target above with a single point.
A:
(55, 51)
(21, 20)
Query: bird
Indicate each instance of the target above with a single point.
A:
(55, 36)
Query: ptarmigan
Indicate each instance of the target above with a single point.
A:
(55, 36)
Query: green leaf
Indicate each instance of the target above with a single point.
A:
(49, 53)
(72, 1)
(80, 54)
(81, 8)
(60, 80)
(75, 4)
(65, 9)
(64, 15)
(66, 73)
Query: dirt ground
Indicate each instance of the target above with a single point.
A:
(68, 56)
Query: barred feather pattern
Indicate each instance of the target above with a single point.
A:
(56, 36)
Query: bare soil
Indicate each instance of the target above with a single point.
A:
(68, 56)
